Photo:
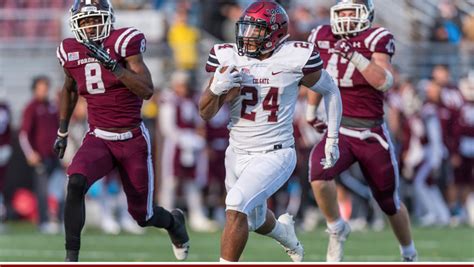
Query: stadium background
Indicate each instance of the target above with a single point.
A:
(32, 30)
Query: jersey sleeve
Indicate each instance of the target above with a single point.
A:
(212, 61)
(381, 41)
(314, 34)
(61, 54)
(314, 62)
(130, 42)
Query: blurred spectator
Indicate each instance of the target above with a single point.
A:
(422, 154)
(183, 39)
(37, 135)
(462, 158)
(130, 4)
(468, 28)
(5, 149)
(217, 141)
(212, 16)
(447, 27)
(304, 19)
(232, 12)
(182, 151)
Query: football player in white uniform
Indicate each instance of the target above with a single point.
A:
(260, 76)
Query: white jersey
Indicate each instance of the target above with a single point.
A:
(262, 116)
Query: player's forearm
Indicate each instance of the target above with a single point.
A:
(136, 83)
(67, 104)
(377, 76)
(209, 104)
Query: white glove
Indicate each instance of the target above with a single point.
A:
(225, 81)
(331, 150)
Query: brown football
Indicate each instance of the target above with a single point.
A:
(233, 92)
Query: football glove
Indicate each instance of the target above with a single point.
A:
(331, 151)
(60, 144)
(224, 81)
(344, 49)
(99, 53)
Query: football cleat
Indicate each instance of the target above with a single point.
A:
(335, 251)
(292, 245)
(412, 258)
(179, 235)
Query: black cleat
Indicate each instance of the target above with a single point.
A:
(72, 256)
(178, 235)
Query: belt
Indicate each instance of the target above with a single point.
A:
(111, 136)
(275, 147)
(362, 135)
(360, 123)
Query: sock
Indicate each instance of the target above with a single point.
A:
(161, 219)
(336, 226)
(222, 260)
(408, 251)
(75, 211)
(278, 233)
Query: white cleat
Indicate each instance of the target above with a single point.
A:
(181, 252)
(335, 251)
(291, 244)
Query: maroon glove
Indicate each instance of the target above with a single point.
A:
(344, 49)
(318, 124)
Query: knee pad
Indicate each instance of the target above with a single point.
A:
(257, 217)
(77, 185)
(388, 202)
(235, 200)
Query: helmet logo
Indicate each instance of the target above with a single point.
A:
(88, 9)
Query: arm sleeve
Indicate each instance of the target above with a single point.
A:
(332, 101)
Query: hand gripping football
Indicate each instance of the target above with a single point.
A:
(233, 92)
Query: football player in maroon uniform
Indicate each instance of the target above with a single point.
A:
(358, 57)
(106, 67)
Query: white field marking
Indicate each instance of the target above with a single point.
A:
(94, 255)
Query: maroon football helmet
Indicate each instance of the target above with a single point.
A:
(82, 9)
(361, 21)
(262, 27)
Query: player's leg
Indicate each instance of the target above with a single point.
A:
(137, 175)
(91, 162)
(250, 180)
(380, 168)
(324, 189)
(282, 230)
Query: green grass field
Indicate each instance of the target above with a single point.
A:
(23, 243)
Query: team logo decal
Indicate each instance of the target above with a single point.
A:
(72, 56)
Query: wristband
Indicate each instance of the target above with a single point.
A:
(63, 135)
(359, 61)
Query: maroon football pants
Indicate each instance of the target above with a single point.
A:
(379, 166)
(97, 157)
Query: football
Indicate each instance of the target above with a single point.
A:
(233, 92)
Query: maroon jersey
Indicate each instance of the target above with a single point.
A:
(463, 133)
(5, 119)
(109, 103)
(38, 128)
(359, 98)
(448, 111)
